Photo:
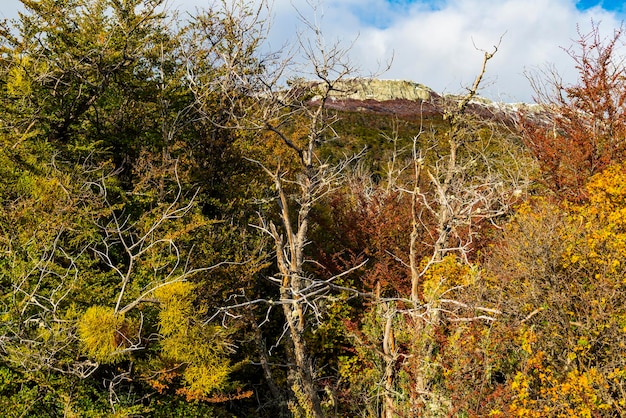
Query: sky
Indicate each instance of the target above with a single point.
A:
(440, 43)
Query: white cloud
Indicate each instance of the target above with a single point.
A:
(438, 47)
(435, 45)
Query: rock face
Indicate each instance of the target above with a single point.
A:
(402, 98)
(382, 90)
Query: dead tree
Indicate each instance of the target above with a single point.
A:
(299, 291)
(252, 88)
(455, 187)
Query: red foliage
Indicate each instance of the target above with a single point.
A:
(583, 128)
(374, 226)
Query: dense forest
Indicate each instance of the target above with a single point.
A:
(194, 226)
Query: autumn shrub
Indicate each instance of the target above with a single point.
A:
(561, 269)
(579, 129)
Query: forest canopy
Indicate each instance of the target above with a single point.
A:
(192, 225)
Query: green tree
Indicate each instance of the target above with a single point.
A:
(102, 212)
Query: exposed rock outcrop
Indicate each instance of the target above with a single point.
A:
(404, 98)
(383, 90)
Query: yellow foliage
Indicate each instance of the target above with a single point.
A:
(205, 378)
(187, 341)
(98, 330)
(526, 339)
(176, 306)
(18, 83)
(443, 276)
(607, 194)
(540, 391)
(602, 241)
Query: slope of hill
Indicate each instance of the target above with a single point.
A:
(408, 99)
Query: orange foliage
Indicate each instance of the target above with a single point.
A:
(582, 128)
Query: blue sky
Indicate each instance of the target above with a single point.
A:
(580, 4)
(607, 4)
(383, 21)
(439, 42)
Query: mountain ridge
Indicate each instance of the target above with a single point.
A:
(408, 98)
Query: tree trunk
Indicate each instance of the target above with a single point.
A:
(267, 372)
(305, 390)
(391, 358)
(289, 259)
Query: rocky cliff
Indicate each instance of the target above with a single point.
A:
(382, 90)
(407, 98)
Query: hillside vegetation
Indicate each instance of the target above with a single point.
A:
(183, 234)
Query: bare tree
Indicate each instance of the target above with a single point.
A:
(463, 187)
(299, 291)
(456, 187)
(137, 241)
(298, 117)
